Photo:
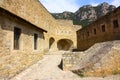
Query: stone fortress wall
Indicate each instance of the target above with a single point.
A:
(99, 47)
(30, 17)
(30, 10)
(106, 28)
(102, 59)
(66, 32)
(14, 59)
(34, 12)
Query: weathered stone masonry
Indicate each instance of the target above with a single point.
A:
(26, 22)
(37, 32)
(106, 28)
(12, 60)
(98, 60)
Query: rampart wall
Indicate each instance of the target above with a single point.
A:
(14, 59)
(106, 28)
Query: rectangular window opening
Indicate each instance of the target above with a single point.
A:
(17, 33)
(115, 24)
(88, 34)
(103, 28)
(94, 31)
(35, 41)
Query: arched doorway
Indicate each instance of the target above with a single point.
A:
(51, 41)
(64, 44)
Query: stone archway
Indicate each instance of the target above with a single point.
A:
(51, 42)
(64, 44)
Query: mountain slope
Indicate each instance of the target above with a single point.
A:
(85, 14)
(64, 15)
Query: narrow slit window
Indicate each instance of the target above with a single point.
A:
(17, 33)
(35, 41)
(88, 34)
(103, 28)
(94, 31)
(115, 24)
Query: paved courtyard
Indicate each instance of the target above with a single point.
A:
(47, 69)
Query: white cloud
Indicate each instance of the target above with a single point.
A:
(60, 5)
(116, 3)
(94, 4)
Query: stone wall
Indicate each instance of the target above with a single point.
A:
(101, 30)
(14, 61)
(30, 10)
(35, 13)
(70, 60)
(64, 30)
(31, 17)
(102, 59)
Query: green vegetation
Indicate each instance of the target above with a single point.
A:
(79, 73)
(85, 22)
(76, 22)
(69, 16)
(116, 72)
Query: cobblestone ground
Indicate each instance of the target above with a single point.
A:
(47, 69)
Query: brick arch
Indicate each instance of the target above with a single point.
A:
(64, 44)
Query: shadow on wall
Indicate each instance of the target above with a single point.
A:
(64, 44)
(51, 41)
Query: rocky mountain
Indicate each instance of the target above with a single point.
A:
(64, 15)
(86, 14)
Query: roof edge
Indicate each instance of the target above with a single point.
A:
(22, 19)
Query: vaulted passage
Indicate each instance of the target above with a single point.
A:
(64, 44)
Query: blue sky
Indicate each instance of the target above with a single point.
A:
(56, 6)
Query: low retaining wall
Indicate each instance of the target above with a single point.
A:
(102, 59)
(70, 60)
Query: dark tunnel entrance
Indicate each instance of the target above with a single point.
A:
(64, 44)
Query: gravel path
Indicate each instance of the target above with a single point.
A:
(47, 69)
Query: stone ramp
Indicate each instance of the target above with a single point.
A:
(95, 53)
(47, 69)
(102, 59)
